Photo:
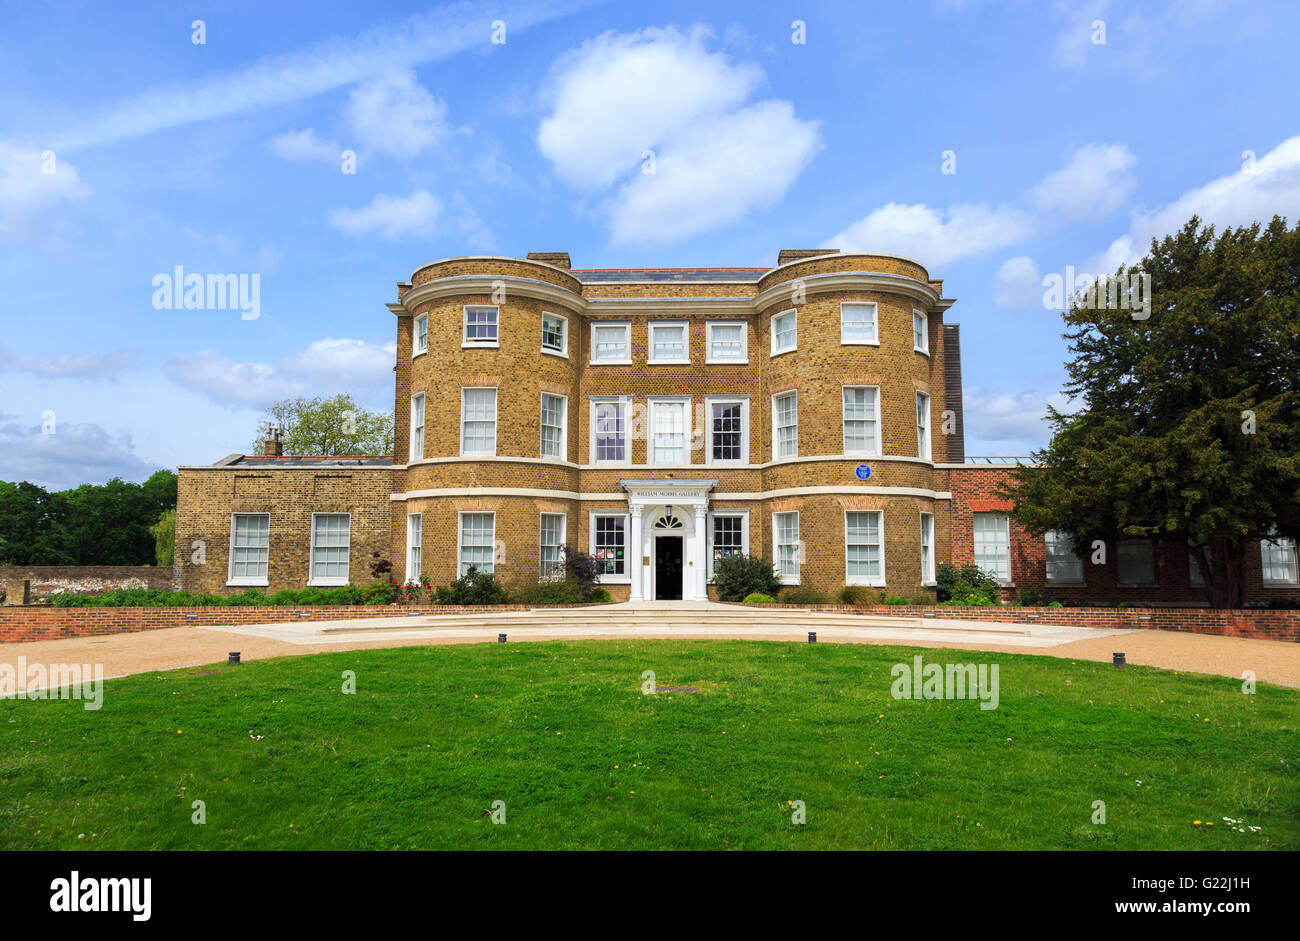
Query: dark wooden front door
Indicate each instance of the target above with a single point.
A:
(668, 568)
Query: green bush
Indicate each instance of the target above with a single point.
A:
(1030, 598)
(859, 595)
(285, 596)
(737, 576)
(474, 587)
(801, 594)
(895, 599)
(966, 585)
(600, 595)
(553, 591)
(759, 598)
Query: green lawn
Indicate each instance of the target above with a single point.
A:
(563, 735)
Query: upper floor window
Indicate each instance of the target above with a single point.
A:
(1064, 567)
(330, 538)
(420, 335)
(1136, 562)
(669, 343)
(920, 332)
(609, 439)
(1278, 555)
(858, 322)
(555, 334)
(728, 342)
(611, 343)
(554, 408)
(785, 425)
(481, 326)
(668, 444)
(992, 537)
(417, 427)
(922, 425)
(728, 427)
(785, 331)
(249, 548)
(861, 420)
(478, 421)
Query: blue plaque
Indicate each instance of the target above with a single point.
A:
(863, 472)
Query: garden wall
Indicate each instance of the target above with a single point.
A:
(47, 580)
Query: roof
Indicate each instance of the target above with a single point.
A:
(305, 460)
(614, 275)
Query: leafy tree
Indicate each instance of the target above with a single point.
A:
(164, 536)
(329, 426)
(1189, 429)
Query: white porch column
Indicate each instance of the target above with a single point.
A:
(700, 574)
(634, 552)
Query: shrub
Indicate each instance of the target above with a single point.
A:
(553, 591)
(973, 581)
(859, 595)
(759, 598)
(600, 595)
(1030, 598)
(737, 576)
(895, 599)
(248, 598)
(474, 587)
(582, 570)
(801, 594)
(285, 596)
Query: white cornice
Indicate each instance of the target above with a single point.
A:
(715, 497)
(848, 281)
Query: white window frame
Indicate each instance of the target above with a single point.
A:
(844, 422)
(629, 551)
(416, 348)
(845, 340)
(653, 403)
(329, 581)
(1056, 551)
(654, 325)
(927, 551)
(709, 402)
(465, 341)
(924, 345)
(923, 444)
(496, 414)
(743, 358)
(563, 351)
(1004, 530)
(792, 312)
(418, 402)
(263, 580)
(1282, 544)
(627, 342)
(564, 427)
(1120, 578)
(414, 545)
(798, 546)
(461, 565)
(556, 567)
(879, 580)
(776, 455)
(743, 516)
(625, 401)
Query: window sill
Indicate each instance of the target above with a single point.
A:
(844, 342)
(478, 454)
(727, 362)
(326, 583)
(246, 583)
(776, 353)
(1275, 583)
(668, 362)
(917, 349)
(610, 362)
(419, 353)
(466, 345)
(562, 354)
(614, 580)
(864, 583)
(1054, 583)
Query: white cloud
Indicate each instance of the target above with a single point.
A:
(393, 217)
(333, 63)
(934, 237)
(68, 365)
(305, 146)
(31, 198)
(1251, 194)
(1074, 45)
(1018, 285)
(344, 361)
(1095, 181)
(714, 159)
(394, 114)
(1001, 423)
(74, 454)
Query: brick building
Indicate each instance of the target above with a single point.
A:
(657, 418)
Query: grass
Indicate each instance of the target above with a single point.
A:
(563, 735)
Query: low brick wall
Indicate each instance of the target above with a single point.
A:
(1282, 624)
(47, 580)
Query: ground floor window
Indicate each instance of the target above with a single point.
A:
(1064, 567)
(727, 537)
(992, 535)
(864, 549)
(785, 527)
(477, 539)
(1136, 561)
(1278, 555)
(609, 544)
(414, 531)
(927, 549)
(249, 548)
(330, 537)
(552, 544)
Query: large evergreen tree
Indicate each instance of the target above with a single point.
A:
(1189, 425)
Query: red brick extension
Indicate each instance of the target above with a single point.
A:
(41, 623)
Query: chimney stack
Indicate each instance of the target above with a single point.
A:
(274, 448)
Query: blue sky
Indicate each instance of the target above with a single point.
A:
(127, 149)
